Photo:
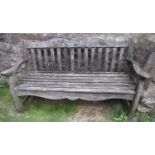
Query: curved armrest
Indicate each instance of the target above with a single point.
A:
(13, 69)
(138, 70)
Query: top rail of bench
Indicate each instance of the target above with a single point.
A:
(92, 42)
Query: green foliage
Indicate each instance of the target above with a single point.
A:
(42, 110)
(121, 118)
(3, 84)
(143, 117)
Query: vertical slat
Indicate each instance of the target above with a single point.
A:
(106, 63)
(46, 59)
(40, 59)
(86, 59)
(52, 58)
(99, 59)
(120, 59)
(65, 59)
(113, 59)
(34, 62)
(29, 60)
(79, 59)
(59, 59)
(92, 58)
(72, 59)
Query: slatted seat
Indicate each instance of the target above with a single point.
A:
(81, 83)
(91, 70)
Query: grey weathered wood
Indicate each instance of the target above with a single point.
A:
(92, 58)
(60, 42)
(13, 70)
(106, 64)
(120, 60)
(99, 59)
(17, 101)
(86, 59)
(66, 59)
(136, 98)
(52, 58)
(67, 69)
(72, 59)
(33, 58)
(46, 59)
(113, 59)
(40, 61)
(79, 58)
(136, 68)
(59, 59)
(75, 96)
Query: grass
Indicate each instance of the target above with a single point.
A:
(41, 110)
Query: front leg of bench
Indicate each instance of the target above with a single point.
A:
(17, 100)
(142, 76)
(10, 75)
(136, 98)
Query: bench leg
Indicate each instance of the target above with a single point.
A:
(136, 99)
(17, 100)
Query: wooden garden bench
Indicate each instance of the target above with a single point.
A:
(92, 70)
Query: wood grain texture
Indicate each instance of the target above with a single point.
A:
(56, 67)
(33, 58)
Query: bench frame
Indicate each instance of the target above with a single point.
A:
(11, 73)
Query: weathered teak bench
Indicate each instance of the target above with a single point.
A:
(92, 70)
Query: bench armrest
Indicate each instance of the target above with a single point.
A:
(14, 69)
(139, 72)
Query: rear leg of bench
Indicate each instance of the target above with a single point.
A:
(18, 102)
(136, 99)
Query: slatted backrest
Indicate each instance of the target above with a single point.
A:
(78, 58)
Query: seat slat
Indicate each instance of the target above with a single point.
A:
(76, 79)
(84, 90)
(94, 84)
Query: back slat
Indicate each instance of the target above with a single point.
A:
(65, 53)
(52, 58)
(34, 62)
(46, 60)
(86, 59)
(40, 63)
(79, 58)
(29, 67)
(92, 58)
(99, 59)
(72, 59)
(106, 63)
(120, 59)
(59, 59)
(113, 59)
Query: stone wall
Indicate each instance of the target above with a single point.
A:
(143, 43)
